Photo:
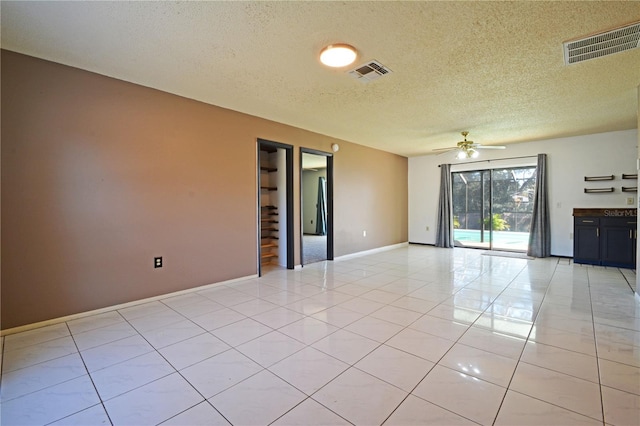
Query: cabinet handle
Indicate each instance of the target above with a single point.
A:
(631, 234)
(587, 221)
(597, 232)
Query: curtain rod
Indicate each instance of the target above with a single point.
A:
(495, 159)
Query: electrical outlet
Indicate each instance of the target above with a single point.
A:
(631, 201)
(364, 233)
(427, 228)
(157, 262)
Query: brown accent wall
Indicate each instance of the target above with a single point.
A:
(99, 176)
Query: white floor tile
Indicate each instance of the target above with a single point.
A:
(518, 409)
(415, 411)
(492, 341)
(241, 332)
(579, 342)
(484, 365)
(50, 404)
(338, 316)
(308, 330)
(447, 329)
(278, 317)
(561, 360)
(620, 408)
(100, 336)
(272, 347)
(202, 414)
(346, 346)
(153, 403)
(35, 354)
(421, 344)
(220, 372)
(462, 394)
(260, 399)
(33, 337)
(396, 315)
(360, 398)
(218, 319)
(115, 352)
(309, 369)
(191, 351)
(310, 413)
(173, 333)
(620, 376)
(559, 389)
(374, 328)
(394, 366)
(131, 374)
(40, 376)
(92, 322)
(95, 415)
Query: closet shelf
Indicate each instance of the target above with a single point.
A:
(268, 169)
(269, 255)
(269, 188)
(269, 245)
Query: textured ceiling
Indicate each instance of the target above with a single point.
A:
(493, 68)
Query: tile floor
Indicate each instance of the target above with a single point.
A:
(412, 336)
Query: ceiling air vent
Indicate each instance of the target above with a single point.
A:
(370, 71)
(607, 43)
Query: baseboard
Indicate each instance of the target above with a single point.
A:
(372, 251)
(53, 321)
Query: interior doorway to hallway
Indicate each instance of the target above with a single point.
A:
(316, 206)
(275, 206)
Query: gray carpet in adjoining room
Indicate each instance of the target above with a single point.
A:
(314, 248)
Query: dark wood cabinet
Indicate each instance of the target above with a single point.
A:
(606, 237)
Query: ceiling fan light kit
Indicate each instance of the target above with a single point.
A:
(468, 149)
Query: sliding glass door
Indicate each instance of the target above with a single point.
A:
(492, 208)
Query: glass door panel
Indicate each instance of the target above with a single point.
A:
(492, 208)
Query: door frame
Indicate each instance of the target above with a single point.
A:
(329, 157)
(289, 199)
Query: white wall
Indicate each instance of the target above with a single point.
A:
(569, 161)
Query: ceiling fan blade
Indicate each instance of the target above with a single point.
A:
(445, 149)
(490, 147)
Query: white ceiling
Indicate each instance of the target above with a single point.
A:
(493, 68)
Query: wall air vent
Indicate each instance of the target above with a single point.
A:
(370, 71)
(607, 43)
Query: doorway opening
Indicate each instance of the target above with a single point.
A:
(275, 206)
(316, 206)
(492, 209)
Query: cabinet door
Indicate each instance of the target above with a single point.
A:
(586, 244)
(618, 244)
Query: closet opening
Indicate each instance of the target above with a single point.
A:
(275, 206)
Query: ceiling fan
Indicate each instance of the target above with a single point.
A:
(468, 149)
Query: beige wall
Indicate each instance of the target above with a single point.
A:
(99, 176)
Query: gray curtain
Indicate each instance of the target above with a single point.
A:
(444, 236)
(321, 207)
(540, 233)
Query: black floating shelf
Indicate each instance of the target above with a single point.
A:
(633, 176)
(269, 207)
(268, 169)
(598, 190)
(629, 189)
(269, 188)
(594, 178)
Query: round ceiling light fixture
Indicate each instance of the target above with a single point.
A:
(338, 55)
